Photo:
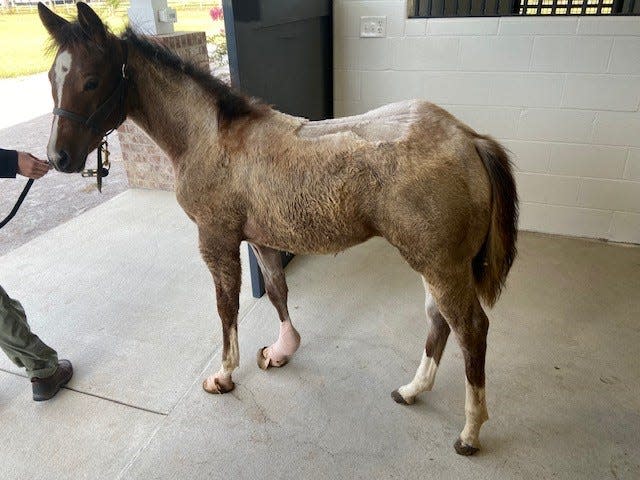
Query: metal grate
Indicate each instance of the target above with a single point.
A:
(491, 8)
(461, 8)
(568, 7)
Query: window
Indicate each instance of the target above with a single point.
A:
(491, 8)
(568, 7)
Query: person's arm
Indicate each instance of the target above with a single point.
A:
(13, 162)
(8, 163)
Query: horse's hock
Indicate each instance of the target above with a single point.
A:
(147, 166)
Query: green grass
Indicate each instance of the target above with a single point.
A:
(23, 39)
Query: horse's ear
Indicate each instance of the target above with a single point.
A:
(52, 22)
(91, 23)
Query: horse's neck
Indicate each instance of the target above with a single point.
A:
(169, 107)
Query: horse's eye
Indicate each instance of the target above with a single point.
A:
(91, 85)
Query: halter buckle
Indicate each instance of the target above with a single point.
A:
(103, 165)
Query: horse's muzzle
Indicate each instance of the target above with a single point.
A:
(62, 162)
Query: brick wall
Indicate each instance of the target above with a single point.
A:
(562, 93)
(146, 164)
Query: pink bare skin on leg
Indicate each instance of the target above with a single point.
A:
(279, 353)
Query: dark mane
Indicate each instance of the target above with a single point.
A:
(72, 34)
(231, 105)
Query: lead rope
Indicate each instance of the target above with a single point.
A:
(16, 207)
(102, 170)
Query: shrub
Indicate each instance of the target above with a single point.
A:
(217, 54)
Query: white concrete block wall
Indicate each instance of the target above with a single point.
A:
(563, 94)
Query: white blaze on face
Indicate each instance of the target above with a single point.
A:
(61, 69)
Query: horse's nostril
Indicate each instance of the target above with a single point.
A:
(64, 160)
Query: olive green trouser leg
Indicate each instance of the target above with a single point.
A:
(23, 347)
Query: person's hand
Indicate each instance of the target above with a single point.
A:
(30, 166)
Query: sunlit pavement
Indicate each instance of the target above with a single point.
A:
(24, 98)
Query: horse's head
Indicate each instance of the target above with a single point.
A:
(87, 84)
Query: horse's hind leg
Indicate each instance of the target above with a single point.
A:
(436, 341)
(473, 339)
(279, 353)
(458, 302)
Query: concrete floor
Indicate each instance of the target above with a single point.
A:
(122, 292)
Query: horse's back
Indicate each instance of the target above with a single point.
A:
(430, 186)
(396, 171)
(389, 123)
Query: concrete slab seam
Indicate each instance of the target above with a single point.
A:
(136, 455)
(66, 387)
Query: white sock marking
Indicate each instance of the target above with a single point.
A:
(475, 409)
(423, 379)
(232, 360)
(426, 374)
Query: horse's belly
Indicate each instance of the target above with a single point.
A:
(300, 238)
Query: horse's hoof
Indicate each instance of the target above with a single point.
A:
(263, 362)
(216, 386)
(398, 398)
(266, 362)
(464, 449)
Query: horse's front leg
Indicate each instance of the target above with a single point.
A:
(278, 353)
(223, 260)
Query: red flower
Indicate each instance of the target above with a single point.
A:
(216, 13)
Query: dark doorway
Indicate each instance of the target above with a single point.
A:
(282, 52)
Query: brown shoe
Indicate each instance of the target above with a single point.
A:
(46, 388)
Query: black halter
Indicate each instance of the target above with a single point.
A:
(106, 108)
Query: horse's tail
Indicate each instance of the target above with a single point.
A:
(492, 263)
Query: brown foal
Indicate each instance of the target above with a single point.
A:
(410, 172)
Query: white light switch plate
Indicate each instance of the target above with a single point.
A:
(167, 15)
(373, 26)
